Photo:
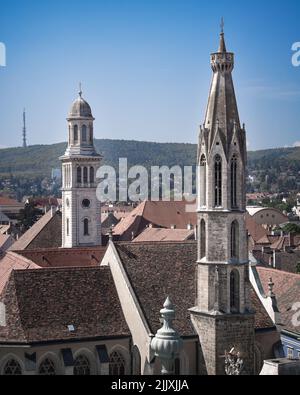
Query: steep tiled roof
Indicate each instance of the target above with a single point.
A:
(157, 270)
(159, 214)
(4, 201)
(10, 262)
(161, 234)
(41, 304)
(287, 291)
(65, 257)
(40, 226)
(4, 217)
(255, 230)
(286, 261)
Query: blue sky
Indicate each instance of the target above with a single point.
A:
(144, 66)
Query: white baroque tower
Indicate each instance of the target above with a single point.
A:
(81, 210)
(223, 316)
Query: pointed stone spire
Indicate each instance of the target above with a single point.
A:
(222, 46)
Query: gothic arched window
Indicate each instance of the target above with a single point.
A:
(218, 181)
(136, 361)
(12, 368)
(75, 134)
(234, 240)
(85, 175)
(202, 239)
(47, 368)
(92, 175)
(84, 134)
(82, 366)
(86, 227)
(234, 164)
(203, 181)
(234, 291)
(79, 179)
(116, 364)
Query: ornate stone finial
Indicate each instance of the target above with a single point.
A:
(234, 364)
(167, 343)
(271, 287)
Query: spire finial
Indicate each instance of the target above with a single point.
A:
(222, 46)
(80, 89)
(222, 25)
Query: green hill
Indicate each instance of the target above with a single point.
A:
(276, 170)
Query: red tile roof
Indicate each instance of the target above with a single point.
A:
(12, 261)
(156, 270)
(41, 304)
(159, 214)
(160, 234)
(255, 230)
(65, 257)
(31, 234)
(5, 201)
(287, 291)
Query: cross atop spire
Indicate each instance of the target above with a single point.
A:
(222, 46)
(80, 89)
(222, 25)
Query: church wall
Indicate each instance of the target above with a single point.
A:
(53, 352)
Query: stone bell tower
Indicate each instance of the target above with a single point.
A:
(81, 212)
(223, 316)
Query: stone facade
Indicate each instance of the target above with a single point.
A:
(223, 317)
(81, 211)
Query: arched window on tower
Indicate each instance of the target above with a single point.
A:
(85, 175)
(234, 164)
(75, 134)
(92, 175)
(202, 239)
(86, 227)
(218, 181)
(84, 134)
(234, 291)
(203, 181)
(234, 240)
(79, 179)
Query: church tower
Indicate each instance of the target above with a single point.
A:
(223, 317)
(81, 211)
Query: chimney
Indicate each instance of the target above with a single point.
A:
(173, 226)
(274, 259)
(190, 227)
